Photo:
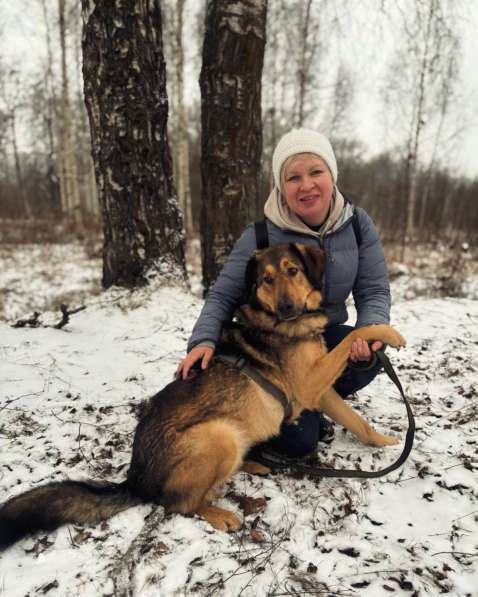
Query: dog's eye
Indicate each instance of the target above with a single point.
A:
(268, 279)
(292, 271)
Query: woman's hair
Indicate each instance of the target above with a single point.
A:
(292, 159)
(303, 141)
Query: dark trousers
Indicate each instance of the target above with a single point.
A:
(302, 436)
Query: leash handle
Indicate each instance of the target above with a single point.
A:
(352, 473)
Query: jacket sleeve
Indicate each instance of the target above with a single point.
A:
(371, 290)
(224, 296)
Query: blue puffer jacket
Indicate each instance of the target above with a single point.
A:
(361, 271)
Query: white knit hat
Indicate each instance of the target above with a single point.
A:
(303, 141)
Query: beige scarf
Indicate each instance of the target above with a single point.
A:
(277, 210)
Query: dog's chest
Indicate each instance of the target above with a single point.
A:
(302, 355)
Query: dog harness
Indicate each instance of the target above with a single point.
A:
(240, 363)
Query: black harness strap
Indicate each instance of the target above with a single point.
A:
(243, 366)
(262, 236)
(277, 462)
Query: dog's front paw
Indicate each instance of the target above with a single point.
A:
(395, 339)
(380, 441)
(384, 333)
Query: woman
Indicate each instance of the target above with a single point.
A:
(305, 206)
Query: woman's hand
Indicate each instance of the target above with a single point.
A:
(198, 352)
(361, 351)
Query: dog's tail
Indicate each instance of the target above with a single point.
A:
(50, 506)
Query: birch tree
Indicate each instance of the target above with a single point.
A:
(125, 93)
(69, 188)
(420, 87)
(230, 82)
(174, 16)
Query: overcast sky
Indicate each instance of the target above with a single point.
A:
(21, 44)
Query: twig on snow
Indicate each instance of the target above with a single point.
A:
(122, 572)
(460, 517)
(66, 315)
(32, 322)
(100, 425)
(35, 322)
(401, 570)
(456, 553)
(19, 398)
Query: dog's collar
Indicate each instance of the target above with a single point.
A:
(273, 316)
(303, 313)
(241, 363)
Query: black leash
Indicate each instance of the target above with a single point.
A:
(282, 463)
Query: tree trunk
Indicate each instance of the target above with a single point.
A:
(51, 120)
(18, 169)
(417, 129)
(182, 153)
(230, 84)
(125, 92)
(69, 170)
(303, 70)
(48, 81)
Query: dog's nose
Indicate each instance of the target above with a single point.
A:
(285, 307)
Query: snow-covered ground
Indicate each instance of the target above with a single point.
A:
(68, 407)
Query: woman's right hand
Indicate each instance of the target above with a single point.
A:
(198, 352)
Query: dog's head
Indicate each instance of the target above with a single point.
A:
(285, 280)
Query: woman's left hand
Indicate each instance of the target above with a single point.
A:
(361, 351)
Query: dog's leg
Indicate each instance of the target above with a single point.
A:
(220, 519)
(327, 369)
(338, 410)
(210, 453)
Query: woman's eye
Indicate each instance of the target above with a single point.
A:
(293, 179)
(292, 271)
(316, 172)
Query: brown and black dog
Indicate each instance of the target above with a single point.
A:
(194, 434)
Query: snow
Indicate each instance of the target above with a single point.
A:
(68, 409)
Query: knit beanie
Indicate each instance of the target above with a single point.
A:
(303, 141)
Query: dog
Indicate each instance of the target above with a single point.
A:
(194, 434)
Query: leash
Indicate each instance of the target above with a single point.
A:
(282, 463)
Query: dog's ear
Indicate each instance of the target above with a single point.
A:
(313, 260)
(251, 280)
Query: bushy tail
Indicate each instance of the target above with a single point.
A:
(50, 506)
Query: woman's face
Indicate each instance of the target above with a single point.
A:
(308, 188)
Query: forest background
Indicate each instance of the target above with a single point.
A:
(393, 85)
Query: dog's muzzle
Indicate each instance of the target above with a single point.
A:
(286, 310)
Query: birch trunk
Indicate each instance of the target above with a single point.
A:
(69, 168)
(418, 126)
(18, 169)
(125, 93)
(303, 70)
(182, 154)
(52, 160)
